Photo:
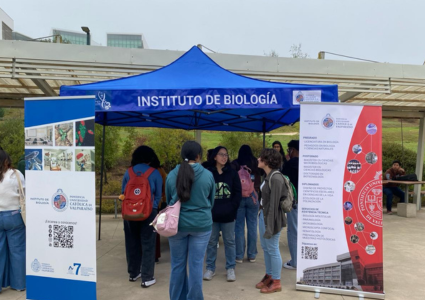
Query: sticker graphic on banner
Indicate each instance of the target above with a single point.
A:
(306, 96)
(60, 210)
(340, 199)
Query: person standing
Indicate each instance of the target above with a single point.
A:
(272, 219)
(12, 227)
(195, 187)
(228, 196)
(390, 189)
(139, 235)
(278, 147)
(291, 169)
(248, 208)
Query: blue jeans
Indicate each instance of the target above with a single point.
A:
(12, 250)
(187, 248)
(272, 257)
(389, 191)
(249, 211)
(228, 230)
(292, 218)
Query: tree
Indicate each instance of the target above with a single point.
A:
(13, 138)
(234, 140)
(130, 142)
(112, 146)
(167, 145)
(296, 51)
(272, 53)
(1, 112)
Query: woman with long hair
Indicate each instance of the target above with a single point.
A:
(278, 147)
(271, 218)
(228, 196)
(12, 227)
(194, 186)
(139, 236)
(248, 208)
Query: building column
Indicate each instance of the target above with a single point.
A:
(419, 163)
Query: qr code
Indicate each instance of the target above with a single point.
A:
(61, 236)
(309, 252)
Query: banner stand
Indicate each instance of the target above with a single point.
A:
(319, 289)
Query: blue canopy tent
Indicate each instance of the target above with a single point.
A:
(194, 93)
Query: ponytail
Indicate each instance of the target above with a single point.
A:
(186, 176)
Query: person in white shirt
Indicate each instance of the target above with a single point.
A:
(12, 227)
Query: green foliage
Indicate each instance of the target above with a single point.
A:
(1, 112)
(12, 138)
(130, 142)
(112, 146)
(393, 151)
(296, 51)
(167, 145)
(234, 140)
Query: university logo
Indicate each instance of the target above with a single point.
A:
(370, 202)
(59, 201)
(328, 122)
(101, 101)
(35, 265)
(300, 97)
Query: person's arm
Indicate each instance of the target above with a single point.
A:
(212, 190)
(276, 186)
(168, 190)
(124, 181)
(402, 172)
(158, 188)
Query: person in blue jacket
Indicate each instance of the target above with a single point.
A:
(139, 235)
(194, 186)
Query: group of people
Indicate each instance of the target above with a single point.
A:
(217, 196)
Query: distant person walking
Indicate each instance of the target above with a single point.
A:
(195, 187)
(12, 227)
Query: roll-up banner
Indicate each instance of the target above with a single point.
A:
(60, 198)
(340, 200)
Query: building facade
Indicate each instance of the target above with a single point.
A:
(125, 40)
(7, 24)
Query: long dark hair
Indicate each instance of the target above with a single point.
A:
(281, 151)
(145, 155)
(211, 161)
(5, 163)
(245, 157)
(186, 176)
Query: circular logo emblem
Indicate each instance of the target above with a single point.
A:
(370, 202)
(35, 265)
(59, 201)
(300, 97)
(137, 192)
(328, 122)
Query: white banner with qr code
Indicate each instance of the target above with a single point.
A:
(60, 198)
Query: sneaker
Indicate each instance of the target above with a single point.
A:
(251, 260)
(146, 284)
(132, 279)
(239, 261)
(287, 265)
(389, 212)
(208, 275)
(231, 275)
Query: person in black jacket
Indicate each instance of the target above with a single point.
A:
(227, 199)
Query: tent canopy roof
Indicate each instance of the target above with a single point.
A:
(194, 92)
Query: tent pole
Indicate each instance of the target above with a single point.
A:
(101, 179)
(264, 134)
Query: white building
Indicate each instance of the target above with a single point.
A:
(6, 26)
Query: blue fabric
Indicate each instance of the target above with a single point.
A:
(248, 210)
(155, 182)
(195, 214)
(292, 226)
(272, 257)
(187, 249)
(195, 92)
(389, 191)
(228, 235)
(12, 249)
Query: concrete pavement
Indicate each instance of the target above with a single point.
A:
(404, 268)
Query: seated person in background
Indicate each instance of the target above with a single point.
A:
(391, 189)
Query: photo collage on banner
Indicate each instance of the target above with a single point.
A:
(340, 242)
(60, 198)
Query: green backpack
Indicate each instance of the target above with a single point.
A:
(287, 203)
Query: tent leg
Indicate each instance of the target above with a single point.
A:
(101, 180)
(264, 134)
(420, 163)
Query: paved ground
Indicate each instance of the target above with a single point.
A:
(404, 268)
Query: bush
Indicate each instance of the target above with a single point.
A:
(234, 140)
(393, 151)
(13, 138)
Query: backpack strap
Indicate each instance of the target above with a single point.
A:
(270, 179)
(148, 172)
(132, 173)
(246, 168)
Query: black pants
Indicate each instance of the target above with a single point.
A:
(140, 238)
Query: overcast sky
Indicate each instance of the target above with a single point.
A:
(382, 30)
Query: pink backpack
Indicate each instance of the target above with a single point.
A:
(166, 222)
(246, 182)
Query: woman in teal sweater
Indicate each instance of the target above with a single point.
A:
(195, 187)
